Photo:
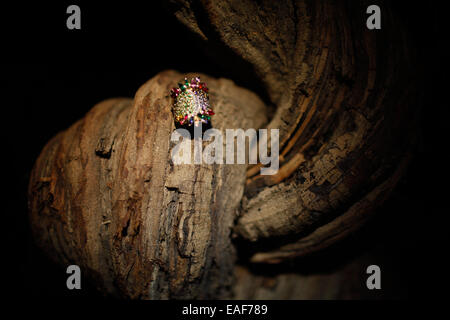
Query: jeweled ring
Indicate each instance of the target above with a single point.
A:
(191, 102)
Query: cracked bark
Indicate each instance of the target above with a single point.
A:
(104, 194)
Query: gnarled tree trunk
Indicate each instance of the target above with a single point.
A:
(105, 195)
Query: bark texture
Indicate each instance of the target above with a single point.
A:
(105, 195)
(345, 106)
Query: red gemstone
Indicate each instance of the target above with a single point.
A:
(174, 92)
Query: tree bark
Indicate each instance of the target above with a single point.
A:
(343, 105)
(105, 195)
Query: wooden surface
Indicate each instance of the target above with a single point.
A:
(105, 195)
(345, 106)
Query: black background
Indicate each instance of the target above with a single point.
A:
(52, 76)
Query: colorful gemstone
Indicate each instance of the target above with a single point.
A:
(191, 102)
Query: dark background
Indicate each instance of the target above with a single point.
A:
(52, 76)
